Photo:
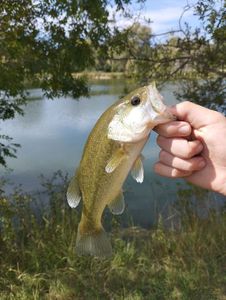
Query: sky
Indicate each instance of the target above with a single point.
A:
(164, 14)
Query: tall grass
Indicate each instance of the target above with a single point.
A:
(38, 261)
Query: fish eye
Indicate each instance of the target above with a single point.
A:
(135, 101)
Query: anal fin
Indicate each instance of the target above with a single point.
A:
(117, 206)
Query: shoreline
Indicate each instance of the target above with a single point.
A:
(99, 75)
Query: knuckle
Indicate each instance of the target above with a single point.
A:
(159, 140)
(186, 105)
(193, 166)
(179, 173)
(191, 150)
(176, 173)
(162, 155)
(185, 165)
(190, 167)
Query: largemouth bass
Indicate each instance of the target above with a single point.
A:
(112, 150)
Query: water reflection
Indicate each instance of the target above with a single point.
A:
(52, 135)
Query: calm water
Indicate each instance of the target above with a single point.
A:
(52, 135)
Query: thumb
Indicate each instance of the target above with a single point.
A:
(198, 116)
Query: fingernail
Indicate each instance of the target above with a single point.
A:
(184, 129)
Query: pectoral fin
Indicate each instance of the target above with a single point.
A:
(115, 160)
(137, 170)
(73, 192)
(117, 206)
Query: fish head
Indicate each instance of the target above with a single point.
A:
(137, 114)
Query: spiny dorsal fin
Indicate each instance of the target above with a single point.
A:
(117, 206)
(115, 160)
(137, 170)
(73, 192)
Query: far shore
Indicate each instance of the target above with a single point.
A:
(99, 75)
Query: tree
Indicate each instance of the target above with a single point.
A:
(208, 61)
(43, 42)
(195, 57)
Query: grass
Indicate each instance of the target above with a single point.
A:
(38, 261)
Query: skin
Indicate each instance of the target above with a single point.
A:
(194, 147)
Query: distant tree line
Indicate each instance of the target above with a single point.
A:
(44, 42)
(195, 58)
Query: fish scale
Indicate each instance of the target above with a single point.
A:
(112, 150)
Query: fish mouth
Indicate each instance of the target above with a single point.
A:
(167, 115)
(164, 117)
(157, 104)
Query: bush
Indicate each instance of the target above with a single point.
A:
(38, 260)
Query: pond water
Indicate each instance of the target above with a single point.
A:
(52, 134)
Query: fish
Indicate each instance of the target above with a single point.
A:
(113, 149)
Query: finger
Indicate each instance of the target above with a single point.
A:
(192, 164)
(180, 147)
(167, 171)
(174, 129)
(198, 116)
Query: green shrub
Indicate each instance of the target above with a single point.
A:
(38, 260)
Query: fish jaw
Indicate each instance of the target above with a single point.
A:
(164, 117)
(158, 111)
(129, 129)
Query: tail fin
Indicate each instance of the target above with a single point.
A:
(94, 243)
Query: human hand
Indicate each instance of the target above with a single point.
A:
(194, 147)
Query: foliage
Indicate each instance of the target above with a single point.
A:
(195, 57)
(124, 48)
(43, 42)
(7, 149)
(38, 260)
